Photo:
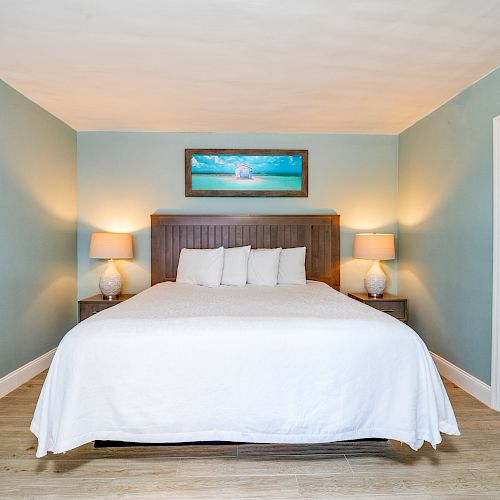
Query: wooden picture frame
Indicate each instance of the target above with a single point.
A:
(246, 172)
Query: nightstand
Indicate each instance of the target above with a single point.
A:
(92, 305)
(391, 304)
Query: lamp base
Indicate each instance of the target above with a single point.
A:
(111, 297)
(110, 282)
(375, 280)
(375, 295)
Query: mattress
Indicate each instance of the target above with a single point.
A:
(283, 364)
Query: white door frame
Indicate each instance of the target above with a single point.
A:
(495, 317)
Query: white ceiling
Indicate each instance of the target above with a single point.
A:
(246, 65)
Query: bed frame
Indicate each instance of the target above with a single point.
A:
(320, 234)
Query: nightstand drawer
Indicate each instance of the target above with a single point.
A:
(392, 307)
(92, 305)
(87, 310)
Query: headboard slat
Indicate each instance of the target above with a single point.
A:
(320, 234)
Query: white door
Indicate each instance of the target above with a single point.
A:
(495, 333)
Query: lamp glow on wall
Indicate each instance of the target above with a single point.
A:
(111, 246)
(376, 247)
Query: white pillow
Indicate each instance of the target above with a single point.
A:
(263, 265)
(235, 267)
(200, 267)
(292, 268)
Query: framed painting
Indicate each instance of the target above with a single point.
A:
(246, 172)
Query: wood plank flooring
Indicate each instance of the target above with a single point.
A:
(463, 467)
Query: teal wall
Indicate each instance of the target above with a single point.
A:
(445, 225)
(37, 221)
(125, 177)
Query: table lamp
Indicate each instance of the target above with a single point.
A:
(376, 247)
(111, 246)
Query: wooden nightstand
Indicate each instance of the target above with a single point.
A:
(389, 303)
(92, 305)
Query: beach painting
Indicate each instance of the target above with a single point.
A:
(246, 172)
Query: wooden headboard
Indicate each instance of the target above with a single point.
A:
(320, 234)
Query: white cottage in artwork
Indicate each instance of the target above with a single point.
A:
(243, 171)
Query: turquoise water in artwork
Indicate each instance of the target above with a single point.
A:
(257, 182)
(242, 172)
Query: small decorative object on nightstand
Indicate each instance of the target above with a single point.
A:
(92, 305)
(376, 247)
(391, 304)
(111, 246)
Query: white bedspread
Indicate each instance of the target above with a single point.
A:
(285, 364)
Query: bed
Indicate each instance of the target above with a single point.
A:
(284, 364)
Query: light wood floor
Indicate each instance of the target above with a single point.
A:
(463, 467)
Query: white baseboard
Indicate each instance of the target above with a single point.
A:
(475, 387)
(25, 373)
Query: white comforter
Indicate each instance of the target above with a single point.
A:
(285, 364)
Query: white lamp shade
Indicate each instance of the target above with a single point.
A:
(111, 246)
(374, 246)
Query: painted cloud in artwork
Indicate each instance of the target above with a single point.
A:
(261, 164)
